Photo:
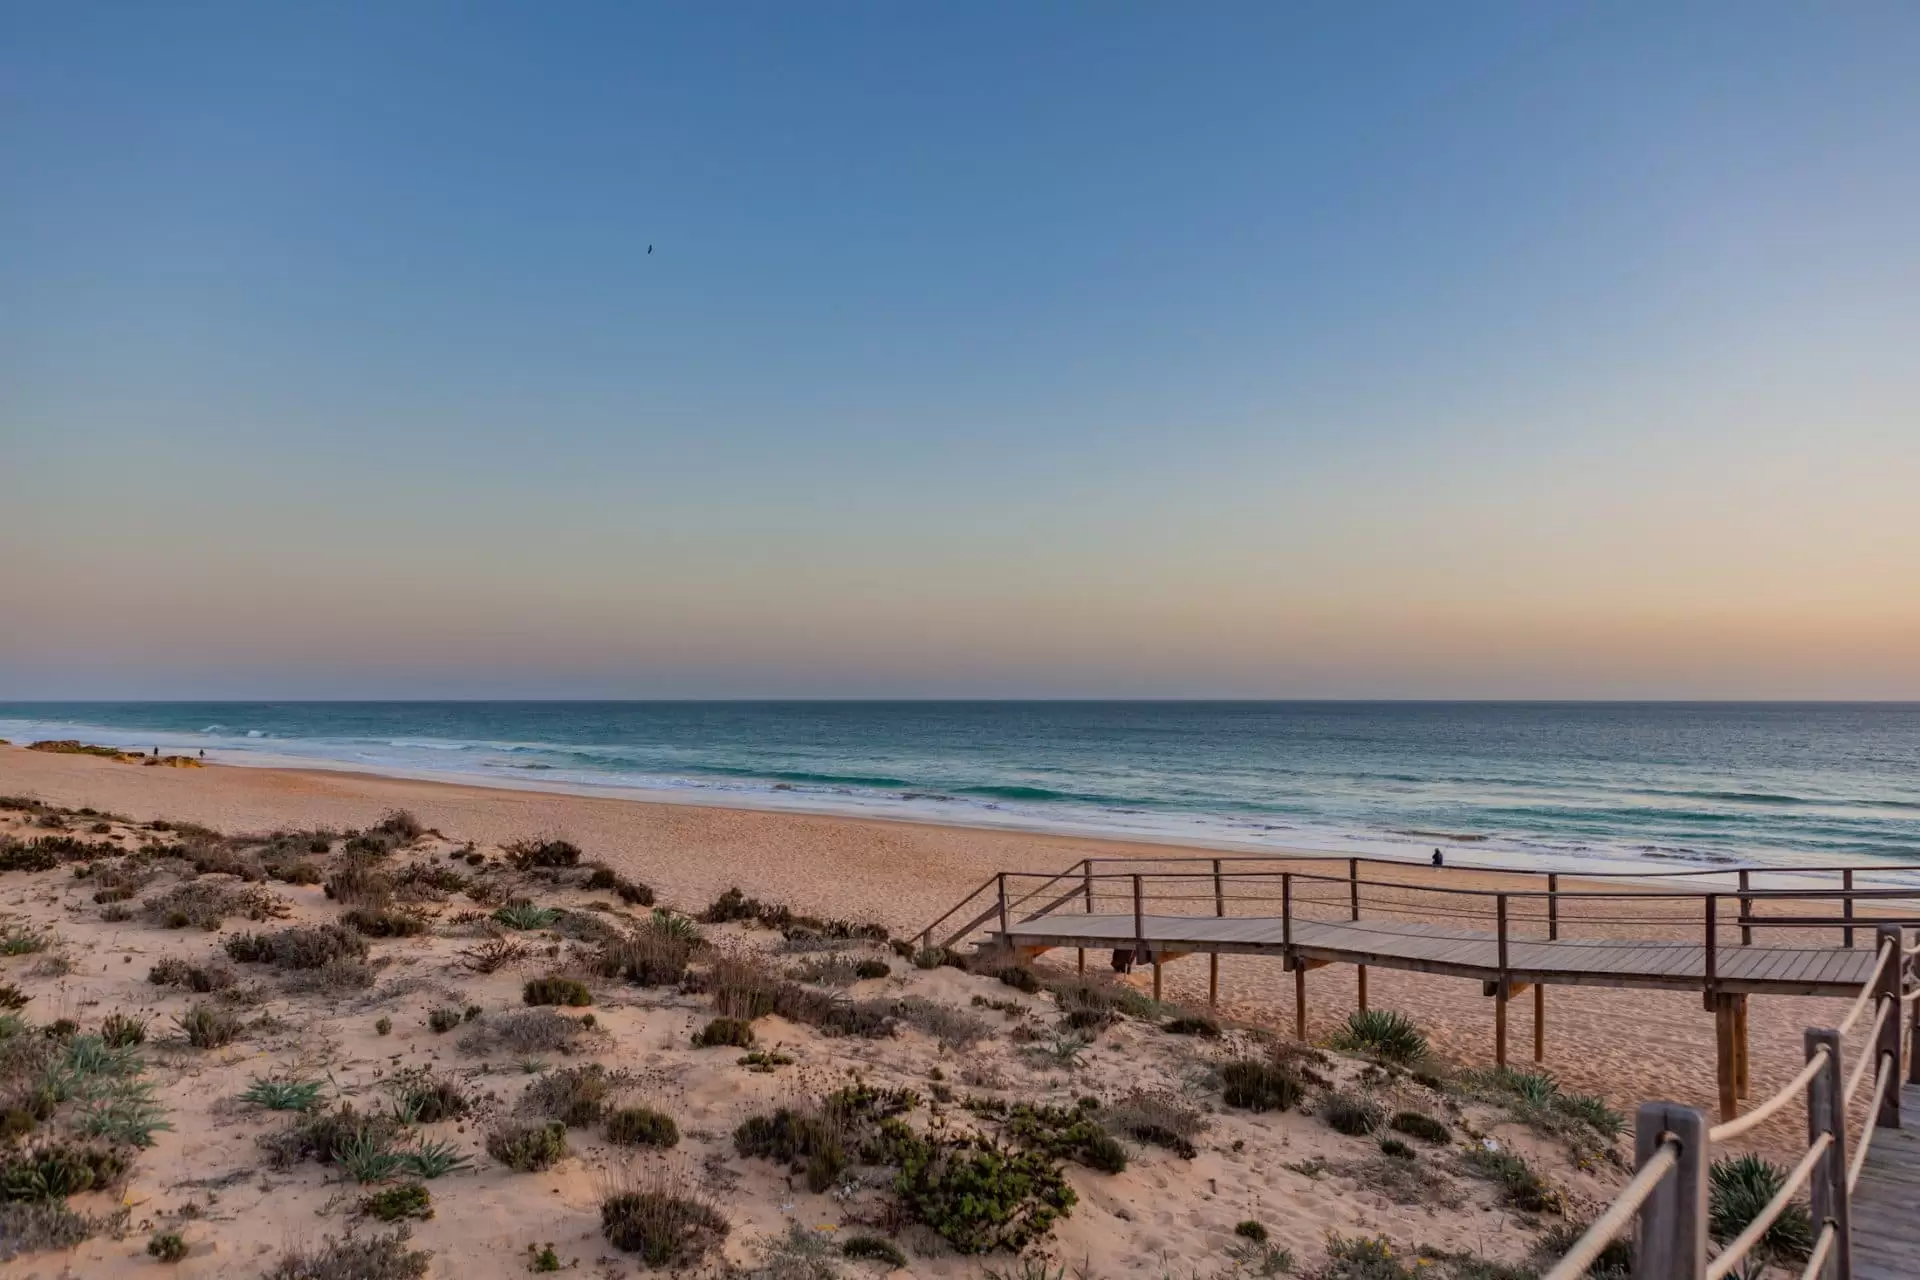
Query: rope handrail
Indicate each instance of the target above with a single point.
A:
(1866, 1059)
(1874, 868)
(1821, 1248)
(1866, 990)
(1785, 1095)
(1618, 1214)
(1737, 1248)
(1872, 1122)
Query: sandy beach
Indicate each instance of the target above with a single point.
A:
(903, 875)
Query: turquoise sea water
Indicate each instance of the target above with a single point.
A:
(1625, 784)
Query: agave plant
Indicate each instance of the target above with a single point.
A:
(525, 915)
(1739, 1188)
(1383, 1033)
(283, 1095)
(431, 1159)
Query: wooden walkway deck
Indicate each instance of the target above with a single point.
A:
(1886, 1234)
(1442, 949)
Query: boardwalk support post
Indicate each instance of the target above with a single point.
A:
(1670, 1240)
(1746, 908)
(1827, 1113)
(1080, 953)
(1139, 922)
(1501, 988)
(1726, 1071)
(1213, 957)
(1353, 906)
(1846, 905)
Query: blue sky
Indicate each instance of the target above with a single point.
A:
(1413, 350)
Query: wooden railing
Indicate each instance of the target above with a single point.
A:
(1667, 1198)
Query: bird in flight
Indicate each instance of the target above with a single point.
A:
(649, 248)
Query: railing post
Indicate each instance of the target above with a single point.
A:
(1846, 905)
(1827, 1113)
(1670, 1238)
(1713, 942)
(1913, 1041)
(1500, 988)
(1004, 927)
(1553, 905)
(1888, 988)
(1080, 953)
(1746, 908)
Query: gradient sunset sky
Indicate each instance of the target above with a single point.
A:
(1389, 350)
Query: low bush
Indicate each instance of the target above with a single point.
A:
(541, 852)
(870, 968)
(1525, 1189)
(166, 1246)
(354, 1258)
(573, 1096)
(554, 989)
(443, 1019)
(1253, 1085)
(1422, 1126)
(57, 1171)
(1161, 1119)
(208, 1028)
(1384, 1034)
(804, 1140)
(1354, 1116)
(172, 971)
(283, 1095)
(494, 954)
(630, 892)
(394, 1204)
(1192, 1025)
(360, 881)
(979, 1196)
(204, 904)
(528, 1148)
(120, 1030)
(725, 1031)
(650, 955)
(641, 1127)
(664, 1228)
(526, 915)
(1395, 1148)
(873, 1249)
(1066, 1134)
(1251, 1230)
(1019, 978)
(420, 1096)
(297, 948)
(384, 923)
(524, 1031)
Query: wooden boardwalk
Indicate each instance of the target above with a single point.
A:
(1886, 1203)
(1443, 949)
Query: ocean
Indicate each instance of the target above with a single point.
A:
(1573, 785)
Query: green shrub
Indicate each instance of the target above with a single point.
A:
(383, 1026)
(384, 923)
(1384, 1034)
(1738, 1188)
(1066, 1134)
(207, 1027)
(725, 1031)
(979, 1196)
(422, 1097)
(554, 989)
(297, 948)
(443, 1019)
(541, 851)
(1192, 1025)
(873, 968)
(57, 1171)
(1019, 978)
(641, 1127)
(528, 1148)
(574, 1096)
(804, 1140)
(1355, 1117)
(873, 1249)
(1258, 1086)
(121, 1030)
(1424, 1127)
(1251, 1230)
(355, 1258)
(1525, 1189)
(650, 955)
(663, 1228)
(1361, 1258)
(408, 1200)
(167, 1246)
(1395, 1148)
(631, 893)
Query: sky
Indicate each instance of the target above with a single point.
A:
(1026, 350)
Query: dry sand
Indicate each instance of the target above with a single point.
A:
(1623, 1046)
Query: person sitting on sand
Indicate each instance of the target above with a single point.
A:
(1438, 861)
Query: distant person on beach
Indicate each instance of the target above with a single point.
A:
(1438, 861)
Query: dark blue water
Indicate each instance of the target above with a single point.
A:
(1641, 784)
